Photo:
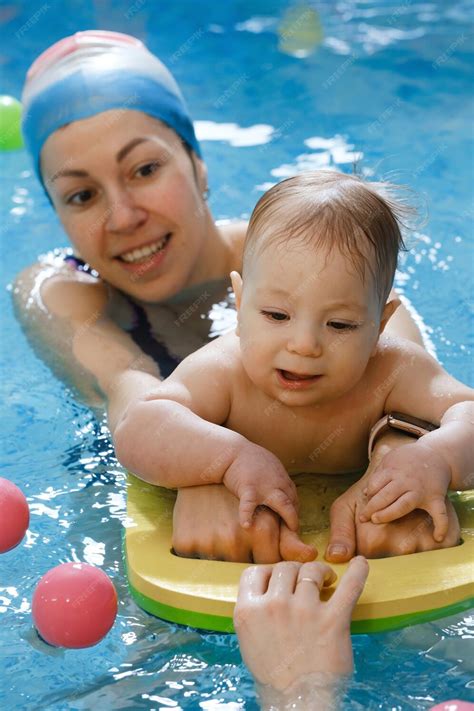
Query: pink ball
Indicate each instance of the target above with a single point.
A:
(454, 705)
(14, 515)
(74, 605)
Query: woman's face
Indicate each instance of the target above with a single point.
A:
(130, 200)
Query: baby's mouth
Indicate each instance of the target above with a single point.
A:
(296, 377)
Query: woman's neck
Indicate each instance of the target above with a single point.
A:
(221, 252)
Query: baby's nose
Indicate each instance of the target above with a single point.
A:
(305, 342)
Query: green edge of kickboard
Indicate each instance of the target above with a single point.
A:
(385, 624)
(199, 620)
(217, 623)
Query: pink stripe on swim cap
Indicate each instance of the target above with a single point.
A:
(70, 44)
(95, 71)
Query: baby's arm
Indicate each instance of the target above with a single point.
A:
(418, 475)
(174, 437)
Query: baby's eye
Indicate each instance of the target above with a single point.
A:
(342, 326)
(144, 171)
(80, 198)
(275, 315)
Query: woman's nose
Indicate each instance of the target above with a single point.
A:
(123, 214)
(305, 342)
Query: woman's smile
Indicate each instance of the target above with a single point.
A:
(145, 260)
(139, 254)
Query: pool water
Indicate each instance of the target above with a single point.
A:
(383, 85)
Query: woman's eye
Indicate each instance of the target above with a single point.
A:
(341, 326)
(275, 315)
(79, 198)
(148, 169)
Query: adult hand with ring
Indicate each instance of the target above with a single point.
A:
(292, 641)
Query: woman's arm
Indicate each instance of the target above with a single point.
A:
(64, 315)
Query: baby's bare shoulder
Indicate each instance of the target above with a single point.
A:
(392, 360)
(203, 381)
(218, 359)
(392, 350)
(224, 351)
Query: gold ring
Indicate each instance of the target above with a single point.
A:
(307, 580)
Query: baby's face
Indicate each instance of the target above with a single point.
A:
(308, 324)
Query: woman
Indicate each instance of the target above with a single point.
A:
(115, 149)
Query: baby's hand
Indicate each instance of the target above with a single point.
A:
(410, 477)
(258, 478)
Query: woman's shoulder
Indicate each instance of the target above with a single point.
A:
(57, 287)
(61, 285)
(67, 316)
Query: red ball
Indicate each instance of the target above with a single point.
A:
(74, 605)
(14, 515)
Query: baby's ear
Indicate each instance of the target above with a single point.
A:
(387, 313)
(236, 280)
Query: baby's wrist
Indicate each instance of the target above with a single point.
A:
(453, 443)
(434, 450)
(233, 446)
(319, 691)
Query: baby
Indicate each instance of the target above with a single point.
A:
(308, 372)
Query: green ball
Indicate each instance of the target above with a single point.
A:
(10, 124)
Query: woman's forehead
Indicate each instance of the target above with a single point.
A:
(104, 134)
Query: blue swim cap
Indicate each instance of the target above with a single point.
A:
(94, 71)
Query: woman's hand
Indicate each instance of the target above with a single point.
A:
(206, 525)
(286, 632)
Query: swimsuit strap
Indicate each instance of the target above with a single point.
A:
(80, 265)
(140, 330)
(141, 334)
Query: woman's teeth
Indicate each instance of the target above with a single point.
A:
(138, 255)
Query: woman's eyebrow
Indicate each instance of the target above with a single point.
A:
(129, 147)
(69, 174)
(119, 157)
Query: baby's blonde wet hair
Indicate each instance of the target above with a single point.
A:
(326, 209)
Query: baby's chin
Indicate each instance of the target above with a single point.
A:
(293, 398)
(301, 399)
(319, 395)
